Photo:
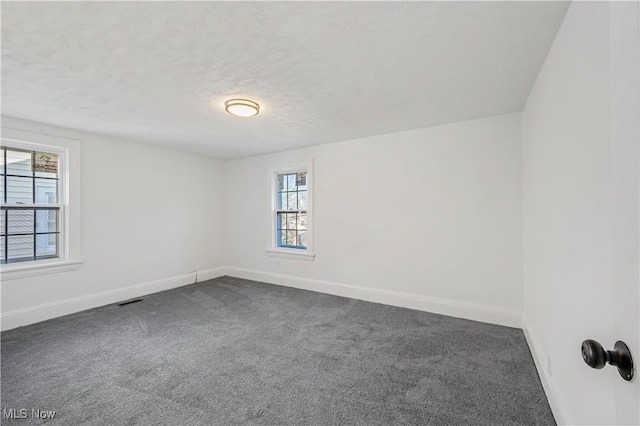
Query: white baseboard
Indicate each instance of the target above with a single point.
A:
(558, 405)
(454, 308)
(209, 274)
(34, 314)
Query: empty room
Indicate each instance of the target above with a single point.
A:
(320, 213)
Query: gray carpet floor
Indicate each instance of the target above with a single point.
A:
(230, 351)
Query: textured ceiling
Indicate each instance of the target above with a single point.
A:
(159, 72)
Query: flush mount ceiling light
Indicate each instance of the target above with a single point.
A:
(242, 107)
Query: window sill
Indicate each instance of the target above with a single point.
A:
(291, 254)
(15, 271)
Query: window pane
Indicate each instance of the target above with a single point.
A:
(282, 200)
(46, 220)
(281, 237)
(291, 238)
(47, 245)
(20, 221)
(3, 221)
(20, 246)
(291, 221)
(302, 200)
(19, 190)
(301, 181)
(281, 183)
(291, 182)
(46, 191)
(2, 189)
(19, 163)
(301, 223)
(3, 249)
(46, 164)
(302, 238)
(292, 201)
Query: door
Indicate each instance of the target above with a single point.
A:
(625, 141)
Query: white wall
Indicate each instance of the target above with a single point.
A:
(581, 211)
(408, 218)
(149, 215)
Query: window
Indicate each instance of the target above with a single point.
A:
(291, 213)
(30, 214)
(39, 197)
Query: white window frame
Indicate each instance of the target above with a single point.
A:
(69, 200)
(284, 252)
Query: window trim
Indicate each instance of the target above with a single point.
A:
(69, 200)
(284, 252)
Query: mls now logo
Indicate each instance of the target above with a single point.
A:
(23, 413)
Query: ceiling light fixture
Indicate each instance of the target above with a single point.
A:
(242, 107)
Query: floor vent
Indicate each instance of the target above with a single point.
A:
(128, 302)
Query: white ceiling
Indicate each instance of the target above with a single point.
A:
(159, 72)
